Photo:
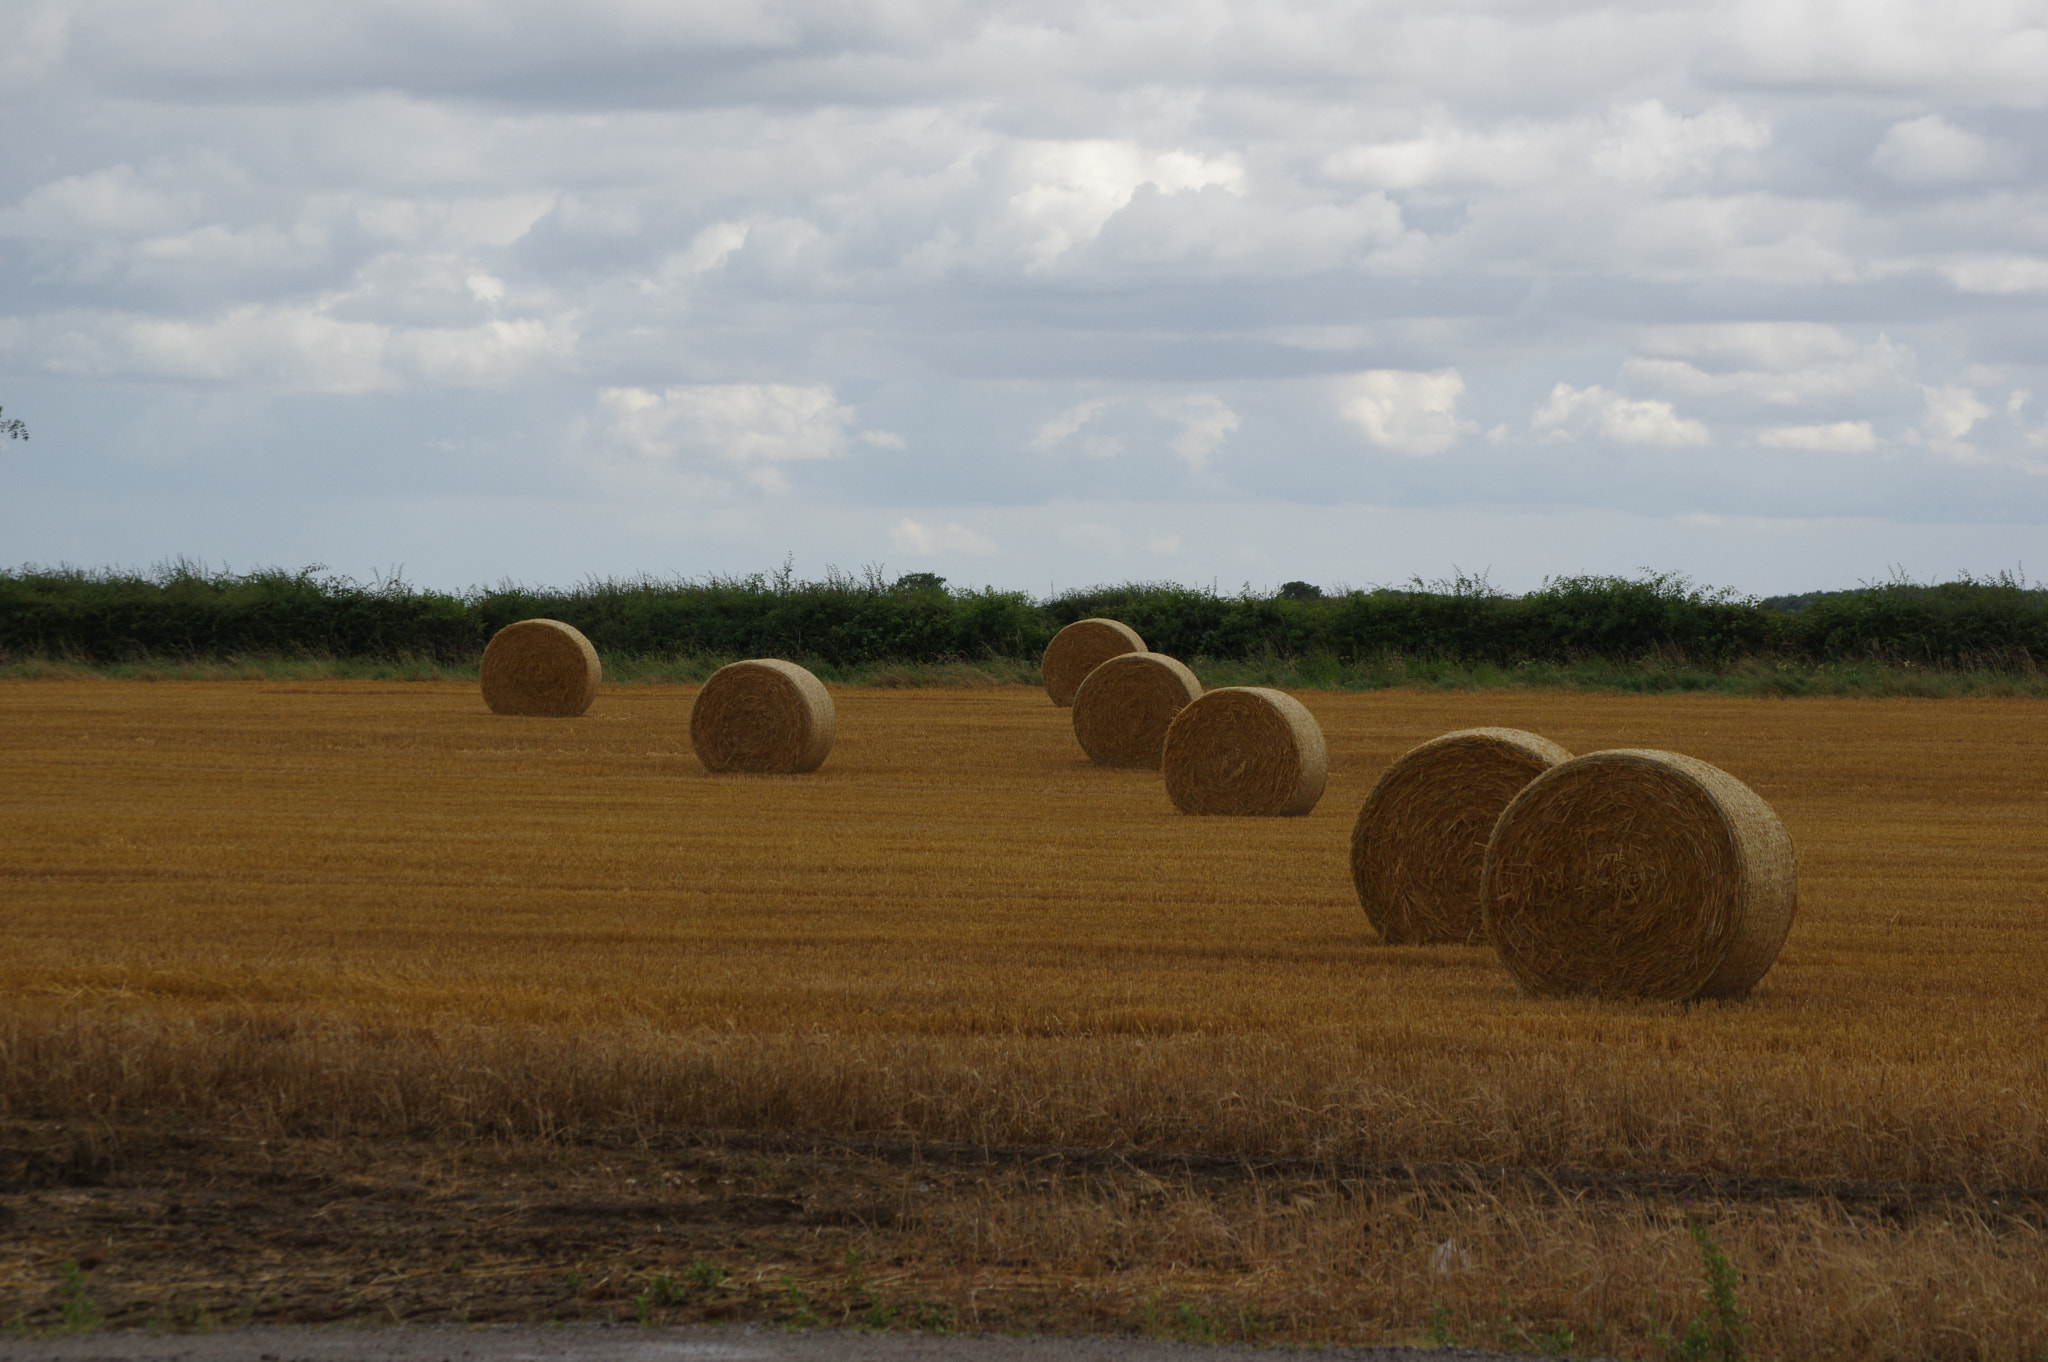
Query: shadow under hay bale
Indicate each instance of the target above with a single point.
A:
(762, 716)
(1638, 874)
(1124, 707)
(1420, 841)
(1079, 649)
(540, 667)
(1245, 750)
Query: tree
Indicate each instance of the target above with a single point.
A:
(1300, 591)
(13, 430)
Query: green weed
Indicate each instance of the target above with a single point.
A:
(1184, 1322)
(1719, 1333)
(76, 1310)
(801, 1316)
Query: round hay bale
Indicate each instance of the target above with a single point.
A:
(1420, 841)
(1123, 708)
(1079, 649)
(540, 667)
(765, 715)
(1635, 874)
(1245, 750)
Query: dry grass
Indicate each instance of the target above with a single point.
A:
(1516, 1267)
(353, 907)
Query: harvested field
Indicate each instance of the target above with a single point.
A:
(372, 922)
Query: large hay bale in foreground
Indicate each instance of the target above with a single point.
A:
(540, 667)
(1124, 707)
(763, 715)
(1420, 841)
(1079, 649)
(1637, 874)
(1245, 750)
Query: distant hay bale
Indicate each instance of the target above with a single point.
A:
(1245, 750)
(1123, 708)
(1636, 874)
(540, 667)
(765, 715)
(1420, 841)
(1079, 649)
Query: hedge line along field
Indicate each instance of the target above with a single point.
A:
(353, 912)
(1650, 626)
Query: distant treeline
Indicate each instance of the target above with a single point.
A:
(184, 611)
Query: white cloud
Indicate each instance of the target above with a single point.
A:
(1771, 346)
(912, 536)
(486, 356)
(1070, 189)
(1205, 421)
(1989, 51)
(1931, 150)
(1793, 367)
(1643, 142)
(1834, 437)
(295, 349)
(883, 439)
(291, 348)
(1952, 412)
(739, 423)
(1064, 425)
(442, 222)
(1998, 274)
(1068, 423)
(1571, 413)
(707, 251)
(114, 199)
(1403, 410)
(1647, 142)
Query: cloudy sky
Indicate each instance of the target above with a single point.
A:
(1036, 295)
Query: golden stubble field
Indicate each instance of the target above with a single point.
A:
(345, 908)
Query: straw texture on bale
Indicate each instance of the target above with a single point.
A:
(764, 716)
(1123, 709)
(1245, 750)
(1638, 874)
(1420, 841)
(1079, 649)
(540, 667)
